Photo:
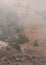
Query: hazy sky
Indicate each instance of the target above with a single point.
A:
(33, 11)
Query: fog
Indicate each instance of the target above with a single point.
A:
(31, 13)
(27, 11)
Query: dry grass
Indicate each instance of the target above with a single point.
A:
(35, 34)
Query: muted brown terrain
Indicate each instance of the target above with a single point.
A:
(38, 34)
(13, 57)
(31, 14)
(30, 55)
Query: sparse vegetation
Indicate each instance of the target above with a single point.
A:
(36, 43)
(17, 46)
(22, 32)
(8, 48)
(23, 38)
(9, 30)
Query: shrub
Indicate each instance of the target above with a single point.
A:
(8, 48)
(23, 38)
(36, 43)
(17, 46)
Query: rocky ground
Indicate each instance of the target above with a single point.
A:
(19, 58)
